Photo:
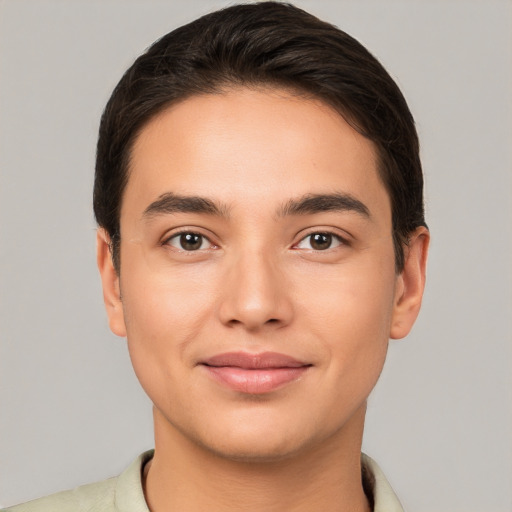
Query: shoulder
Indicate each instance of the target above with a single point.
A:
(120, 494)
(97, 497)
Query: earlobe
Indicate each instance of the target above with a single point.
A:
(110, 284)
(410, 284)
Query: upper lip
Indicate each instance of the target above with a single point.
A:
(247, 361)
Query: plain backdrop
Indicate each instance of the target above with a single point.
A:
(440, 420)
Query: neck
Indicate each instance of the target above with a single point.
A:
(186, 476)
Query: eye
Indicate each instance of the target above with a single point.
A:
(189, 241)
(320, 241)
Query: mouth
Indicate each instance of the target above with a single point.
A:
(254, 373)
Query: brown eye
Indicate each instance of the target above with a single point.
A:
(320, 241)
(189, 241)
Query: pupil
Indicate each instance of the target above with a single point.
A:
(190, 241)
(321, 241)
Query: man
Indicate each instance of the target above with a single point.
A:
(261, 237)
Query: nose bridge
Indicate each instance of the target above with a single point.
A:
(255, 294)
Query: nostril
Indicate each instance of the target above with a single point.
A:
(271, 321)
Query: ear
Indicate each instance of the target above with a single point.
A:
(410, 284)
(110, 283)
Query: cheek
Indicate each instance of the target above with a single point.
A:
(160, 325)
(357, 342)
(352, 316)
(353, 299)
(164, 311)
(160, 299)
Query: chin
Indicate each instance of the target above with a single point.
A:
(255, 449)
(258, 440)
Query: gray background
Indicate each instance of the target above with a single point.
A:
(440, 420)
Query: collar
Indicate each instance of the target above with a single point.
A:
(376, 484)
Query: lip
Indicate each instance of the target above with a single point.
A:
(254, 373)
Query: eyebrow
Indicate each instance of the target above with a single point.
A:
(319, 203)
(308, 204)
(173, 203)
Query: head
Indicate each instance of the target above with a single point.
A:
(259, 195)
(275, 45)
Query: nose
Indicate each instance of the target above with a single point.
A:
(255, 295)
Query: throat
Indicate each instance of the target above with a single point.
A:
(253, 487)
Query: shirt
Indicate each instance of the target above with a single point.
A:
(125, 494)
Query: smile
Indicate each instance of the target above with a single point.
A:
(254, 373)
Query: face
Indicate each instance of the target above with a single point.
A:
(257, 287)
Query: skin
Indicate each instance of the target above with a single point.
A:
(257, 284)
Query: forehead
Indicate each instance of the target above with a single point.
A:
(245, 145)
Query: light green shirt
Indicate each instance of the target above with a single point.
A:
(124, 493)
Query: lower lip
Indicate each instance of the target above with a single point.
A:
(256, 381)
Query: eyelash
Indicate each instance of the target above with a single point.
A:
(332, 236)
